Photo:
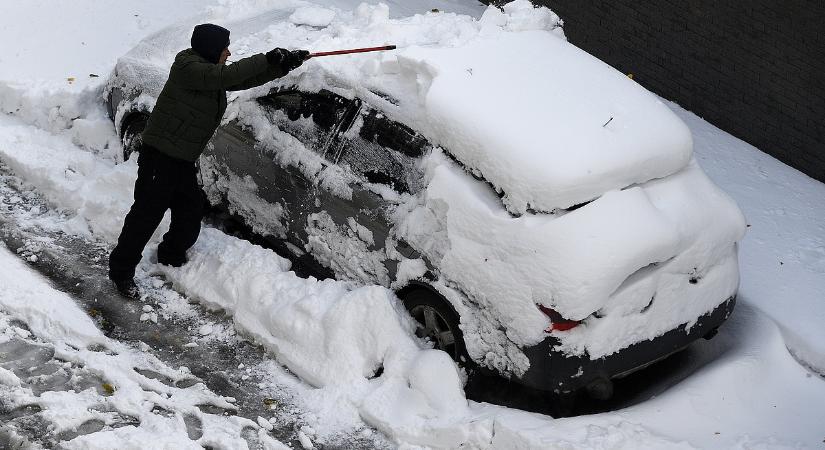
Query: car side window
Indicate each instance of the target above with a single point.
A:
(310, 117)
(383, 151)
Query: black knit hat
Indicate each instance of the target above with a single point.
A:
(209, 41)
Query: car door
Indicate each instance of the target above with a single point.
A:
(271, 181)
(383, 156)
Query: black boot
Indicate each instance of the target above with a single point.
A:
(127, 287)
(170, 260)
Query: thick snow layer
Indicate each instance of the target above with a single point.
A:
(611, 256)
(544, 122)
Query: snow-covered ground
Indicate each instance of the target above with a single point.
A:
(44, 337)
(762, 387)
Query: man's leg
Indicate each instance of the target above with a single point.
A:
(152, 195)
(187, 211)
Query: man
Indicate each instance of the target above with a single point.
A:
(188, 111)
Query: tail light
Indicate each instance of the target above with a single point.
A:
(557, 322)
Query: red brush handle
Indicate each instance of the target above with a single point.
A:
(355, 50)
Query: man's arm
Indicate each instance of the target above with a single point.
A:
(281, 62)
(209, 77)
(271, 73)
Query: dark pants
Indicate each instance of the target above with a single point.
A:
(163, 183)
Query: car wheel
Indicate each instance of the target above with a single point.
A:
(131, 139)
(438, 322)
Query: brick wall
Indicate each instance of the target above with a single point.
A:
(754, 68)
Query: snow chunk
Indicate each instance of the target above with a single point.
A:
(426, 408)
(409, 269)
(263, 423)
(149, 316)
(526, 16)
(313, 16)
(8, 378)
(305, 441)
(435, 375)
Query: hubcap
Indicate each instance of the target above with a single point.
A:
(433, 326)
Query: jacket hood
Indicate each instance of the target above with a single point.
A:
(209, 40)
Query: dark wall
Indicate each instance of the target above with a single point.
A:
(754, 68)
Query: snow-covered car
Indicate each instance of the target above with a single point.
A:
(539, 213)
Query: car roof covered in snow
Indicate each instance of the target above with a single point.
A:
(548, 125)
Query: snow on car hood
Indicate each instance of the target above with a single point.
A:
(543, 121)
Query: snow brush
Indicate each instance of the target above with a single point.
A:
(354, 50)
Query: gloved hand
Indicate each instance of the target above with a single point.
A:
(276, 56)
(288, 60)
(294, 59)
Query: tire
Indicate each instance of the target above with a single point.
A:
(442, 330)
(131, 138)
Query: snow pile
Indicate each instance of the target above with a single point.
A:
(322, 330)
(352, 340)
(96, 191)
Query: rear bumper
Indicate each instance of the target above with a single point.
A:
(551, 370)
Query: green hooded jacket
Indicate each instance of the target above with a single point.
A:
(191, 105)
